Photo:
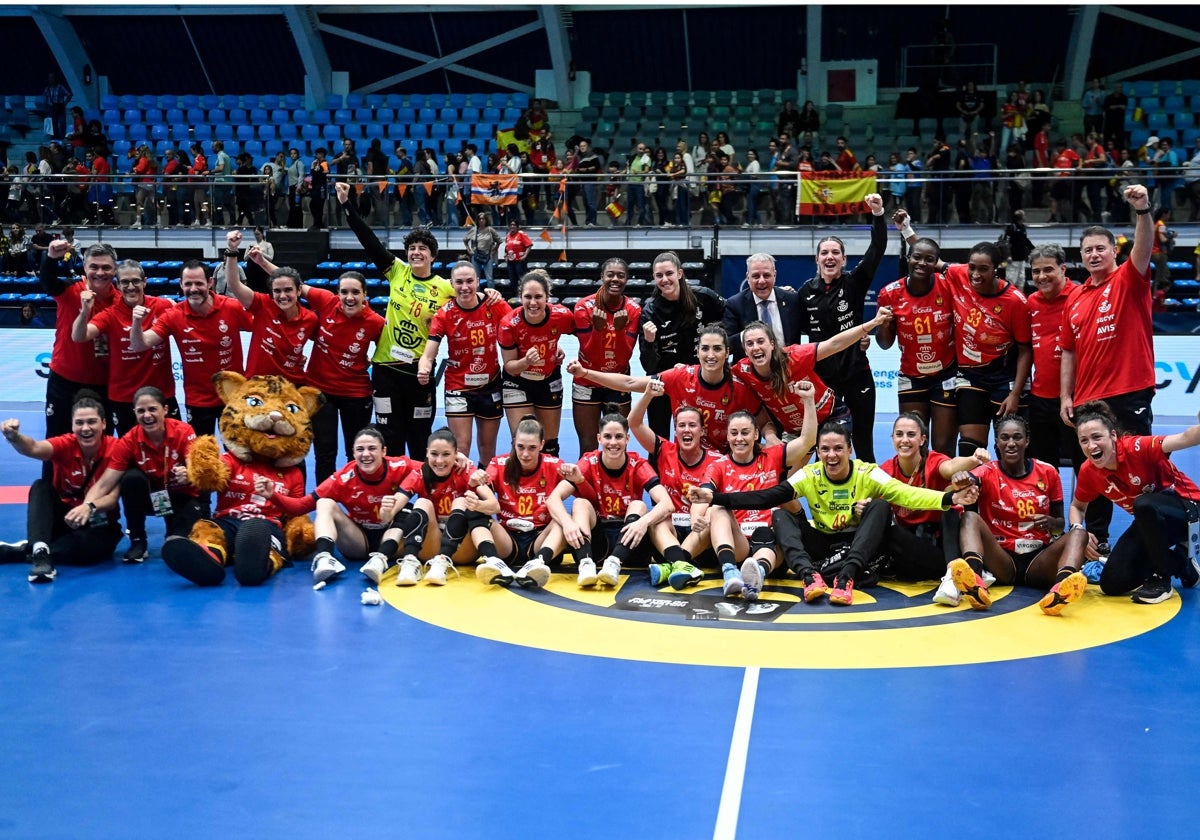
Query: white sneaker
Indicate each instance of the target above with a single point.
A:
(947, 593)
(375, 566)
(610, 572)
(587, 572)
(533, 575)
(988, 578)
(437, 569)
(137, 225)
(494, 570)
(324, 566)
(410, 571)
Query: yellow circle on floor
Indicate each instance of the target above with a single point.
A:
(888, 626)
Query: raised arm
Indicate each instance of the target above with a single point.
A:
(1143, 230)
(852, 335)
(233, 275)
(616, 381)
(49, 277)
(381, 256)
(81, 330)
(796, 453)
(24, 444)
(637, 419)
(1182, 440)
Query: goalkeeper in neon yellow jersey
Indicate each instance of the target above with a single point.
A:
(849, 502)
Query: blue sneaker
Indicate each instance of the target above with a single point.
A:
(659, 573)
(733, 580)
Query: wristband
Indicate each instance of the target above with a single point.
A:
(92, 506)
(1142, 212)
(907, 231)
(1075, 525)
(231, 254)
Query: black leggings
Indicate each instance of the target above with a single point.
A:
(84, 546)
(1136, 417)
(135, 502)
(923, 553)
(797, 537)
(1159, 522)
(411, 406)
(355, 414)
(857, 393)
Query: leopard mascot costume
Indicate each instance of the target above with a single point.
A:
(266, 427)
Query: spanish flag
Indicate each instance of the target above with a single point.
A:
(494, 189)
(834, 193)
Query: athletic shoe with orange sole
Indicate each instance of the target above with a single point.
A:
(842, 593)
(970, 584)
(1066, 591)
(815, 587)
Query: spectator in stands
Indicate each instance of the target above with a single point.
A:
(639, 166)
(30, 317)
(536, 117)
(1038, 112)
(55, 97)
(403, 169)
(483, 243)
(726, 188)
(752, 172)
(588, 164)
(660, 183)
(1114, 114)
(95, 139)
(78, 135)
(1093, 108)
(247, 190)
(1095, 162)
(1191, 181)
(895, 186)
(725, 146)
(173, 175)
(681, 190)
(199, 180)
(845, 160)
(787, 163)
(222, 175)
(809, 120)
(318, 174)
(1160, 252)
(1016, 238)
(295, 186)
(517, 245)
(701, 149)
(1066, 162)
(1165, 163)
(982, 164)
(1012, 121)
(969, 105)
(938, 190)
(788, 121)
(39, 243)
(16, 259)
(145, 204)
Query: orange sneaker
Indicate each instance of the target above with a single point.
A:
(1066, 591)
(970, 584)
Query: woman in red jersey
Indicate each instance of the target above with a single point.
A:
(921, 543)
(610, 483)
(444, 485)
(1020, 510)
(148, 465)
(681, 465)
(470, 324)
(708, 386)
(529, 348)
(281, 326)
(746, 536)
(63, 528)
(773, 373)
(1136, 472)
(376, 521)
(606, 324)
(524, 531)
(922, 323)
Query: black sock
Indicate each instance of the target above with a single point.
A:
(324, 544)
(487, 548)
(676, 554)
(975, 561)
(388, 549)
(412, 523)
(1064, 573)
(584, 552)
(725, 556)
(550, 447)
(546, 555)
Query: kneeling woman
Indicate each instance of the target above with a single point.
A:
(848, 501)
(148, 464)
(522, 482)
(1012, 535)
(376, 520)
(609, 511)
(62, 527)
(745, 534)
(444, 486)
(1123, 468)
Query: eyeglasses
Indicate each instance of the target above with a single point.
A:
(135, 282)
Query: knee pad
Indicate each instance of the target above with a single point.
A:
(550, 447)
(763, 537)
(457, 526)
(967, 447)
(475, 519)
(412, 523)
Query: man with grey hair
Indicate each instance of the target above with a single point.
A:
(760, 300)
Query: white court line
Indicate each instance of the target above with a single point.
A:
(735, 768)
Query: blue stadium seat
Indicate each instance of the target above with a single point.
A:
(244, 132)
(406, 116)
(152, 115)
(363, 115)
(214, 115)
(189, 100)
(320, 117)
(428, 116)
(223, 131)
(393, 100)
(251, 101)
(436, 100)
(457, 100)
(288, 132)
(181, 133)
(292, 101)
(173, 115)
(194, 115)
(228, 101)
(470, 115)
(301, 116)
(120, 149)
(160, 132)
(111, 116)
(269, 101)
(510, 116)
(492, 115)
(126, 101)
(279, 116)
(210, 100)
(439, 130)
(383, 116)
(477, 100)
(254, 148)
(258, 116)
(238, 115)
(343, 116)
(333, 101)
(375, 100)
(267, 131)
(109, 102)
(202, 131)
(519, 100)
(448, 115)
(332, 134)
(1143, 88)
(138, 132)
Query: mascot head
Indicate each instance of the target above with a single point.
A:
(266, 418)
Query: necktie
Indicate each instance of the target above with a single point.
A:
(764, 314)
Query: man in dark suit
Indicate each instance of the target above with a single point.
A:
(761, 301)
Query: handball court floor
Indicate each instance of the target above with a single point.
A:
(137, 705)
